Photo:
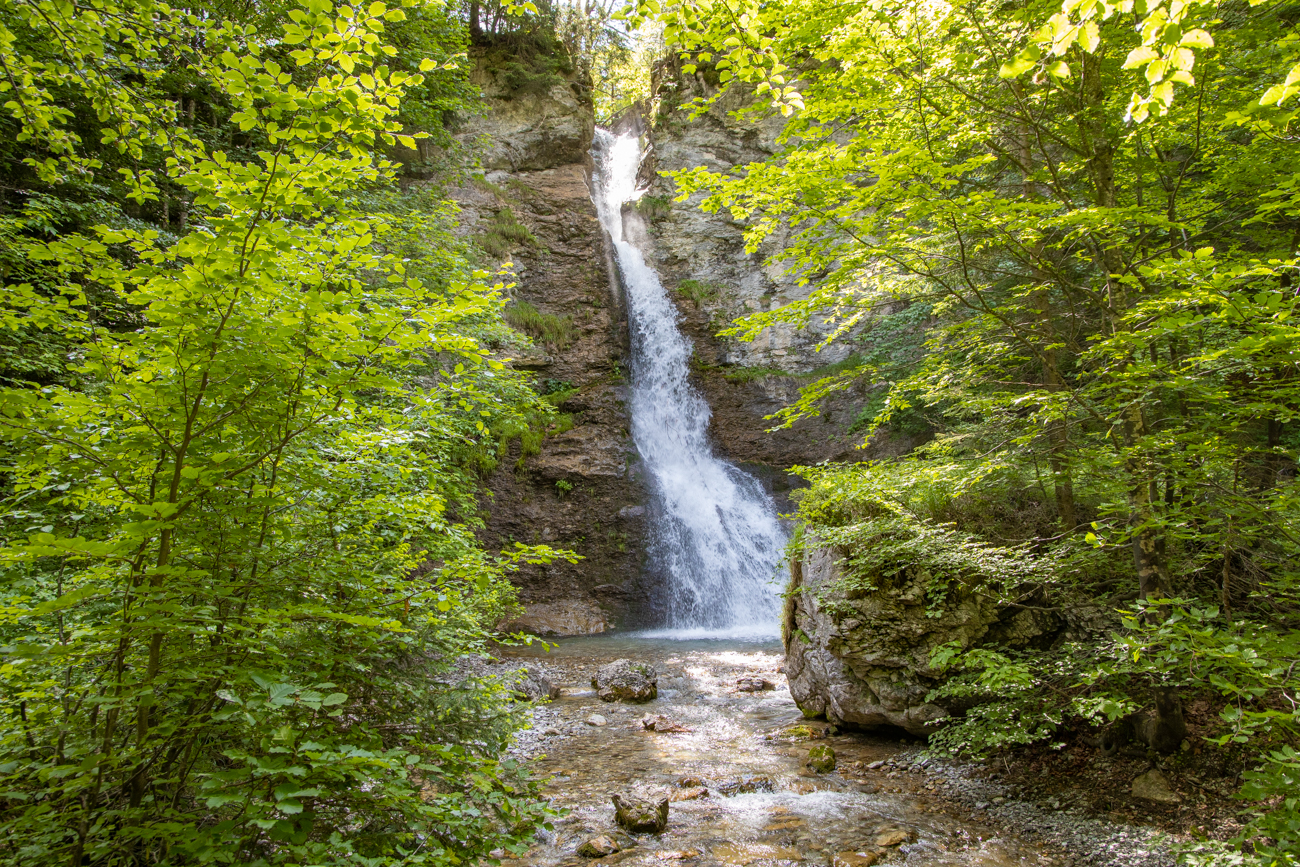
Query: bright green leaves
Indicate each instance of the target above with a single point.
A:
(244, 477)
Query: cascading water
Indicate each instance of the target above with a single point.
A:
(716, 535)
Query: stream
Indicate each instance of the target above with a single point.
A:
(737, 772)
(748, 751)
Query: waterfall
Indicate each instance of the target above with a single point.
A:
(715, 535)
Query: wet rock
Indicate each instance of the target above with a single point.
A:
(531, 685)
(689, 794)
(691, 782)
(596, 720)
(854, 859)
(627, 513)
(865, 661)
(661, 723)
(641, 812)
(1154, 786)
(895, 837)
(677, 854)
(598, 847)
(746, 786)
(821, 758)
(560, 618)
(754, 684)
(624, 680)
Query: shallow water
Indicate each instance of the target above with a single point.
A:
(807, 817)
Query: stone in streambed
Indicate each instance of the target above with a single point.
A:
(894, 837)
(1154, 786)
(596, 720)
(689, 794)
(624, 680)
(821, 758)
(854, 859)
(529, 684)
(662, 723)
(753, 684)
(641, 813)
(598, 847)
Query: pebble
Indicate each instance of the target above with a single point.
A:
(597, 720)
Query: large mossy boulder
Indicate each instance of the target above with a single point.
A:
(624, 680)
(858, 648)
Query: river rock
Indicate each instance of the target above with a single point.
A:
(745, 786)
(641, 812)
(689, 794)
(598, 847)
(529, 684)
(854, 859)
(596, 720)
(661, 723)
(624, 680)
(1154, 786)
(894, 837)
(821, 758)
(753, 684)
(864, 661)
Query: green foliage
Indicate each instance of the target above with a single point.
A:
(654, 209)
(564, 487)
(554, 331)
(697, 291)
(504, 233)
(243, 381)
(1061, 237)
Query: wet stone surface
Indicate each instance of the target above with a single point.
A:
(739, 783)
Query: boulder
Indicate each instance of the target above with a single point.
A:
(530, 684)
(1154, 786)
(596, 720)
(624, 680)
(598, 847)
(864, 661)
(753, 684)
(821, 759)
(641, 812)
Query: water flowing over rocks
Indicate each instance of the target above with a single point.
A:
(865, 661)
(740, 793)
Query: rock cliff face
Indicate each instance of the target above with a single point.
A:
(702, 260)
(580, 492)
(865, 661)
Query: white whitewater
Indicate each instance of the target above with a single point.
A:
(716, 537)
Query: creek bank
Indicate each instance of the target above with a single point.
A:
(741, 793)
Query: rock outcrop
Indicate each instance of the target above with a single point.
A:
(532, 209)
(864, 661)
(702, 260)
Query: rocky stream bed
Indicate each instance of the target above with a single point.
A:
(735, 766)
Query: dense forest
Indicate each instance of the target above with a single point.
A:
(1062, 240)
(251, 381)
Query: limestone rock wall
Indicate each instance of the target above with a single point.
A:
(581, 492)
(865, 661)
(702, 260)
